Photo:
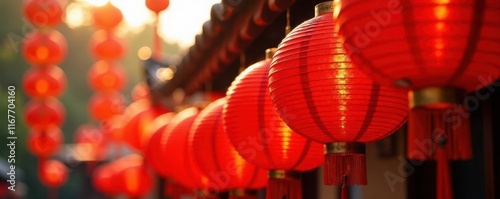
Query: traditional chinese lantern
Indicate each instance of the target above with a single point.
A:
(135, 131)
(92, 140)
(153, 147)
(321, 95)
(444, 50)
(180, 162)
(43, 113)
(43, 13)
(44, 48)
(106, 46)
(217, 157)
(107, 17)
(103, 106)
(104, 179)
(44, 142)
(157, 5)
(113, 128)
(249, 117)
(44, 82)
(137, 180)
(52, 173)
(106, 76)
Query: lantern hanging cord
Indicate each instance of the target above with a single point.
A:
(156, 39)
(242, 61)
(288, 27)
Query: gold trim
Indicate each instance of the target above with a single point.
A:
(241, 192)
(345, 147)
(434, 96)
(284, 174)
(270, 53)
(323, 8)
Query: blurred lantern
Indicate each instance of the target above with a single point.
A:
(43, 113)
(321, 95)
(113, 128)
(44, 48)
(106, 76)
(44, 82)
(105, 178)
(107, 16)
(44, 142)
(92, 143)
(250, 117)
(103, 106)
(178, 159)
(106, 46)
(135, 131)
(444, 49)
(215, 154)
(153, 151)
(157, 5)
(137, 180)
(43, 13)
(140, 91)
(52, 173)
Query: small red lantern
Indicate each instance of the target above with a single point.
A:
(105, 178)
(261, 136)
(43, 13)
(44, 82)
(52, 173)
(44, 48)
(103, 106)
(137, 180)
(106, 76)
(106, 46)
(157, 5)
(107, 16)
(153, 148)
(44, 142)
(43, 113)
(135, 131)
(321, 95)
(217, 157)
(92, 142)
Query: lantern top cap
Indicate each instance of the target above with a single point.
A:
(325, 7)
(270, 53)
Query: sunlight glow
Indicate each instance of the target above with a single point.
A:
(77, 15)
(97, 2)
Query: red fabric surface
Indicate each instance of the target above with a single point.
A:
(44, 82)
(104, 105)
(106, 76)
(106, 46)
(44, 142)
(43, 113)
(43, 13)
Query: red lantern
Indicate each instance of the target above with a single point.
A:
(157, 5)
(52, 173)
(180, 162)
(105, 178)
(44, 48)
(92, 143)
(107, 16)
(261, 136)
(113, 128)
(44, 142)
(321, 95)
(217, 157)
(140, 91)
(106, 76)
(43, 13)
(137, 180)
(154, 152)
(44, 82)
(135, 131)
(43, 113)
(444, 49)
(106, 46)
(103, 106)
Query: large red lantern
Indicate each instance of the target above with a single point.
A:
(44, 48)
(153, 151)
(261, 136)
(44, 82)
(217, 157)
(106, 76)
(444, 49)
(107, 16)
(43, 13)
(105, 178)
(135, 131)
(44, 142)
(43, 113)
(104, 106)
(180, 162)
(321, 95)
(104, 45)
(137, 180)
(52, 173)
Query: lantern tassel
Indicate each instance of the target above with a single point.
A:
(443, 177)
(288, 188)
(344, 193)
(345, 167)
(425, 124)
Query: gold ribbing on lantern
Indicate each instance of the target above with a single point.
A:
(435, 97)
(283, 174)
(345, 147)
(270, 53)
(323, 8)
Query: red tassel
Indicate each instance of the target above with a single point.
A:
(175, 190)
(344, 193)
(287, 188)
(444, 189)
(425, 125)
(351, 166)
